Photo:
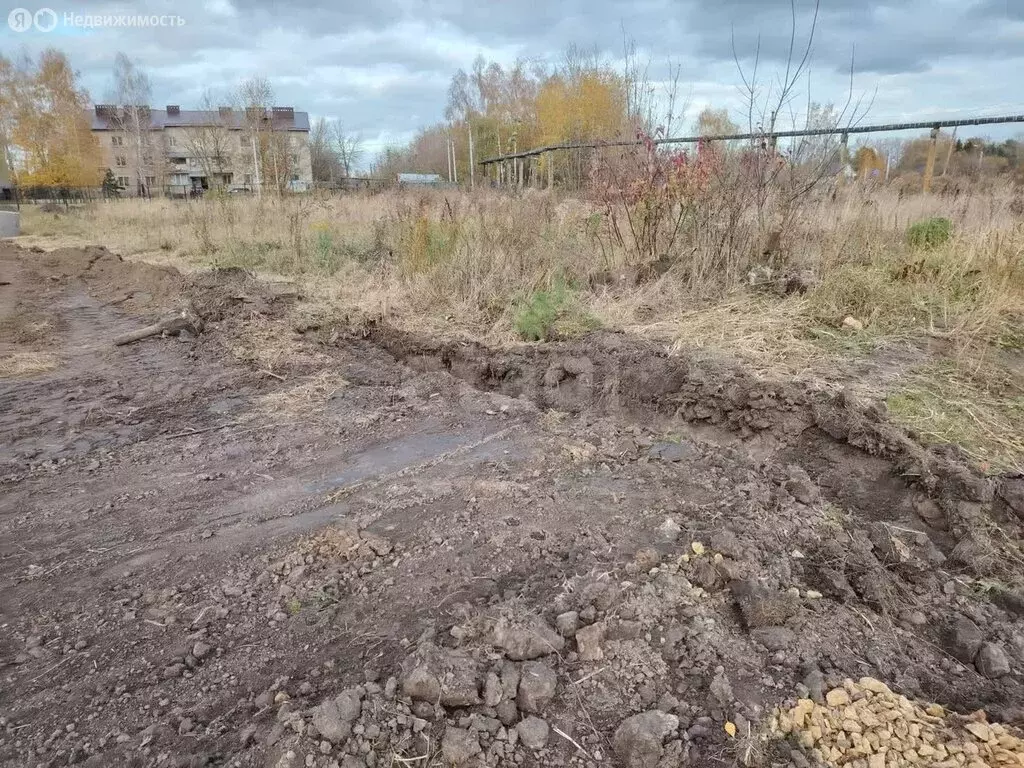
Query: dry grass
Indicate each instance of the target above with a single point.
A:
(494, 267)
(27, 364)
(310, 395)
(981, 414)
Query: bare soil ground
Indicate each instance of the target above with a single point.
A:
(284, 545)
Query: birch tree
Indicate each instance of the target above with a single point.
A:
(131, 94)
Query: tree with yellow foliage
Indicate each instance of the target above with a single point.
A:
(589, 107)
(46, 123)
(868, 163)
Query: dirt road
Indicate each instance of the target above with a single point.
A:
(284, 545)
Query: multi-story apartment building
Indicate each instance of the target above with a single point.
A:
(180, 152)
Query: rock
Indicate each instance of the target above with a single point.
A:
(875, 686)
(567, 623)
(460, 686)
(201, 650)
(992, 661)
(447, 676)
(963, 639)
(424, 710)
(487, 724)
(507, 712)
(530, 640)
(459, 746)
(837, 697)
(638, 741)
(509, 679)
(774, 638)
(1011, 601)
(705, 575)
(1012, 492)
(914, 618)
(492, 690)
(647, 558)
(537, 684)
(720, 690)
(669, 530)
(334, 717)
(533, 732)
(852, 324)
(931, 513)
(814, 682)
(588, 641)
(421, 684)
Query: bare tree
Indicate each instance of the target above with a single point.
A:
(322, 159)
(269, 147)
(130, 94)
(778, 181)
(209, 140)
(347, 146)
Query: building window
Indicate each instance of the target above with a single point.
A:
(248, 178)
(241, 142)
(151, 181)
(170, 141)
(117, 141)
(122, 181)
(121, 161)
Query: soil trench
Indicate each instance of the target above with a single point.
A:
(263, 546)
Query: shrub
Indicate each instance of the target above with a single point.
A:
(553, 312)
(930, 233)
(325, 253)
(536, 318)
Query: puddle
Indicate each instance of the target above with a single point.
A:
(408, 451)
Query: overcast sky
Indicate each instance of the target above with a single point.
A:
(382, 66)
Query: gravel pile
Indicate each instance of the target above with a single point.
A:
(866, 725)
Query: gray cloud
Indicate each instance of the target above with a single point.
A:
(382, 67)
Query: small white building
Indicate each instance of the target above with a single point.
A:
(419, 180)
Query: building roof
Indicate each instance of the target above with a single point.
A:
(282, 119)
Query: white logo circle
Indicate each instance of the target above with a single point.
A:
(20, 19)
(45, 19)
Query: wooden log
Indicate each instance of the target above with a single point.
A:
(171, 325)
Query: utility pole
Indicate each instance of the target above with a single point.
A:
(472, 169)
(448, 155)
(929, 166)
(455, 164)
(949, 154)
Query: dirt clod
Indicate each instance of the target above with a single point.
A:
(533, 732)
(536, 686)
(529, 640)
(638, 742)
(459, 746)
(963, 639)
(992, 661)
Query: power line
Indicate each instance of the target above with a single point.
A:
(766, 135)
